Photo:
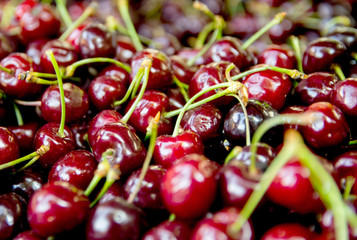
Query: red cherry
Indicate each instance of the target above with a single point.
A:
(345, 165)
(25, 135)
(175, 230)
(28, 235)
(9, 146)
(125, 50)
(276, 55)
(288, 231)
(344, 96)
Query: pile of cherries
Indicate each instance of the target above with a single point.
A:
(164, 119)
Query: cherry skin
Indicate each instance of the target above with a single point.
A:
(33, 49)
(75, 35)
(76, 167)
(277, 55)
(328, 131)
(347, 35)
(345, 166)
(125, 50)
(288, 231)
(28, 235)
(116, 71)
(189, 53)
(65, 208)
(27, 183)
(10, 83)
(25, 135)
(269, 86)
(176, 99)
(175, 230)
(279, 33)
(180, 69)
(115, 191)
(9, 146)
(343, 96)
(197, 176)
(216, 227)
(58, 146)
(316, 87)
(243, 25)
(115, 219)
(168, 148)
(76, 100)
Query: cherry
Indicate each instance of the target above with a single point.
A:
(58, 146)
(80, 132)
(288, 231)
(166, 43)
(33, 49)
(175, 230)
(316, 87)
(181, 70)
(28, 235)
(197, 177)
(116, 71)
(328, 131)
(115, 191)
(161, 72)
(217, 226)
(76, 167)
(57, 207)
(321, 53)
(293, 109)
(189, 53)
(27, 183)
(77, 103)
(25, 135)
(74, 37)
(347, 35)
(345, 167)
(9, 146)
(125, 50)
(279, 33)
(343, 96)
(243, 25)
(270, 86)
(10, 83)
(115, 219)
(276, 55)
(176, 99)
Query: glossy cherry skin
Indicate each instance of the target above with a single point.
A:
(345, 166)
(292, 182)
(76, 100)
(104, 90)
(149, 105)
(125, 50)
(75, 35)
(205, 120)
(216, 226)
(344, 96)
(287, 231)
(347, 35)
(180, 69)
(160, 76)
(269, 86)
(207, 76)
(175, 230)
(27, 183)
(48, 135)
(115, 219)
(189, 53)
(65, 54)
(316, 87)
(148, 196)
(57, 207)
(9, 146)
(321, 53)
(176, 99)
(277, 55)
(10, 83)
(11, 211)
(33, 49)
(115, 191)
(197, 176)
(129, 151)
(168, 148)
(329, 130)
(76, 167)
(28, 235)
(96, 41)
(25, 135)
(116, 71)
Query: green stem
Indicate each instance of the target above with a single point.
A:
(108, 183)
(29, 75)
(29, 164)
(7, 70)
(338, 20)
(8, 13)
(137, 82)
(72, 68)
(182, 87)
(60, 86)
(337, 69)
(124, 12)
(20, 120)
(62, 9)
(28, 103)
(276, 20)
(202, 36)
(295, 44)
(100, 172)
(234, 152)
(349, 182)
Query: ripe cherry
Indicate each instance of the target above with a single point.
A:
(343, 96)
(125, 50)
(276, 55)
(28, 235)
(27, 183)
(180, 69)
(288, 231)
(175, 230)
(25, 135)
(9, 146)
(345, 167)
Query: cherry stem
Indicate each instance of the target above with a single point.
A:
(337, 69)
(86, 13)
(172, 217)
(295, 44)
(354, 55)
(234, 152)
(50, 55)
(153, 129)
(338, 20)
(137, 83)
(351, 217)
(146, 64)
(72, 68)
(349, 182)
(28, 103)
(19, 119)
(202, 36)
(7, 70)
(124, 12)
(28, 75)
(32, 161)
(182, 87)
(62, 9)
(39, 152)
(276, 20)
(8, 13)
(203, 8)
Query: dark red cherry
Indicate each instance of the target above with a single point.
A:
(74, 37)
(189, 53)
(115, 219)
(176, 99)
(329, 130)
(345, 166)
(216, 226)
(116, 71)
(166, 43)
(344, 96)
(316, 87)
(28, 235)
(168, 148)
(207, 76)
(347, 35)
(269, 86)
(279, 33)
(125, 50)
(161, 72)
(104, 90)
(128, 150)
(96, 41)
(76, 167)
(58, 146)
(33, 49)
(243, 25)
(76, 100)
(149, 105)
(197, 178)
(10, 83)
(205, 120)
(175, 230)
(321, 53)
(26, 183)
(25, 135)
(277, 55)
(57, 207)
(9, 146)
(115, 191)
(292, 182)
(287, 231)
(64, 53)
(148, 196)
(180, 69)
(80, 130)
(293, 109)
